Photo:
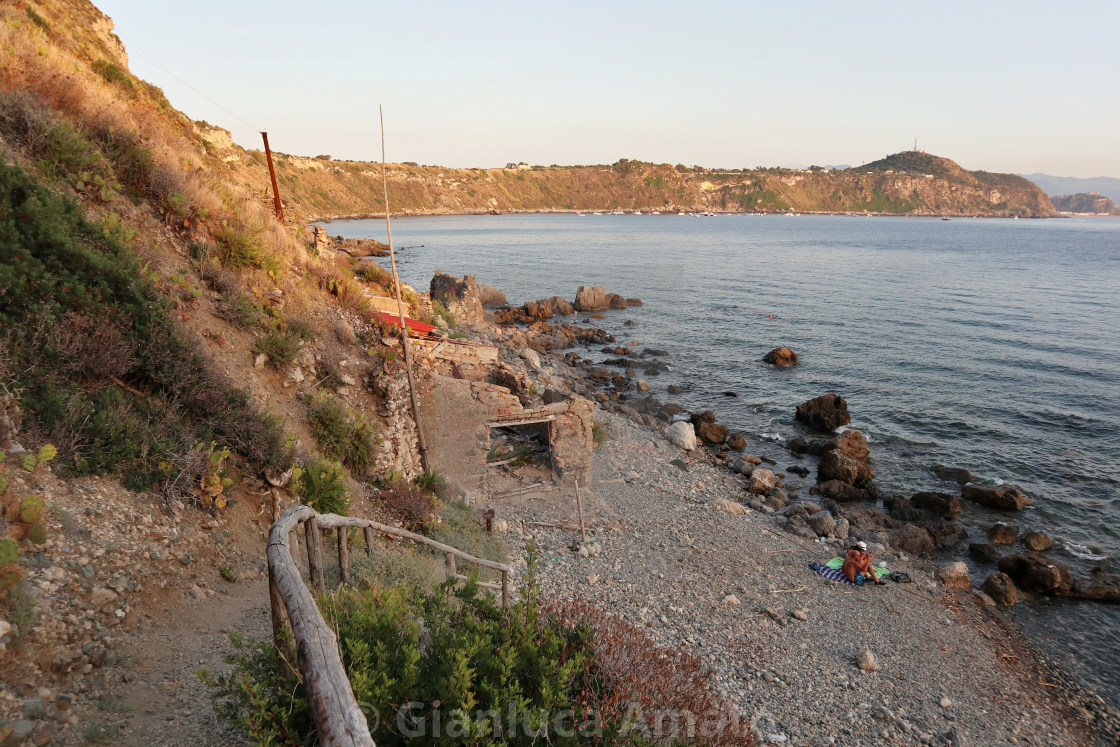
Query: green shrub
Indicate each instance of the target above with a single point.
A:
(341, 433)
(321, 484)
(280, 347)
(112, 72)
(486, 674)
(441, 311)
(599, 433)
(107, 374)
(240, 246)
(433, 483)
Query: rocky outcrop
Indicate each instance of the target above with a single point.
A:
(1003, 534)
(1037, 541)
(591, 298)
(942, 504)
(781, 357)
(1005, 497)
(959, 475)
(460, 297)
(1086, 203)
(825, 413)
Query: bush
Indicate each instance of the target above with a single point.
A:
(107, 373)
(599, 433)
(240, 246)
(409, 565)
(342, 434)
(416, 509)
(280, 347)
(534, 673)
(321, 484)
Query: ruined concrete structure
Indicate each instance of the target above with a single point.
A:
(457, 415)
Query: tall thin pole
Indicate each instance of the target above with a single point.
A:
(272, 175)
(400, 306)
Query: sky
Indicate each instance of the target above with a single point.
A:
(1018, 87)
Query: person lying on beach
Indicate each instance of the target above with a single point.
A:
(857, 564)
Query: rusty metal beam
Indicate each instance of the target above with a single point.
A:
(272, 176)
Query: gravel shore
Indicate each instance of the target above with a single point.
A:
(784, 643)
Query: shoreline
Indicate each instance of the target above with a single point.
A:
(326, 220)
(1040, 683)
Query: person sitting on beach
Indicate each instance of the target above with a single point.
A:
(857, 565)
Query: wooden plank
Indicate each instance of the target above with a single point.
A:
(522, 421)
(343, 555)
(331, 521)
(314, 552)
(339, 720)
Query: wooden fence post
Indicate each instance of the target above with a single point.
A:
(505, 588)
(314, 553)
(343, 555)
(368, 532)
(450, 562)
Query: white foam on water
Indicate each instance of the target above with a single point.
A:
(1082, 552)
(775, 437)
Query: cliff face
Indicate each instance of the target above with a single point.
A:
(315, 188)
(1090, 203)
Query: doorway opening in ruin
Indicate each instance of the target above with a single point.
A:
(522, 448)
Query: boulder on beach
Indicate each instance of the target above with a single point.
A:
(912, 539)
(954, 576)
(822, 522)
(781, 357)
(1006, 497)
(591, 298)
(762, 481)
(1035, 573)
(711, 433)
(682, 434)
(825, 413)
(1001, 589)
(737, 441)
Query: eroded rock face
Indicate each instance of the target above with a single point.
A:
(781, 357)
(825, 413)
(1006, 497)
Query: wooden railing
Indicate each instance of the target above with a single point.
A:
(338, 718)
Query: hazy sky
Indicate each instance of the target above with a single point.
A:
(1002, 86)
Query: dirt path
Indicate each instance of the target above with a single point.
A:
(159, 700)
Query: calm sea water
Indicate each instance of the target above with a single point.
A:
(987, 344)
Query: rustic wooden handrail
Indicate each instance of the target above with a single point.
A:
(339, 719)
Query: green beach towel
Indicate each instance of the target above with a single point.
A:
(838, 563)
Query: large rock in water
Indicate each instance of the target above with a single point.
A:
(1034, 572)
(842, 492)
(781, 357)
(682, 434)
(944, 505)
(1006, 497)
(591, 298)
(836, 465)
(825, 413)
(853, 443)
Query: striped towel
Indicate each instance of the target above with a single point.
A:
(835, 574)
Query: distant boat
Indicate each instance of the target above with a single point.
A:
(655, 212)
(637, 212)
(946, 219)
(616, 212)
(682, 213)
(596, 213)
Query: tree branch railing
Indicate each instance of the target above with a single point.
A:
(339, 719)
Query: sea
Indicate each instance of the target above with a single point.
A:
(989, 344)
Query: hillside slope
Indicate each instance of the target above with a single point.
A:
(317, 188)
(1087, 203)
